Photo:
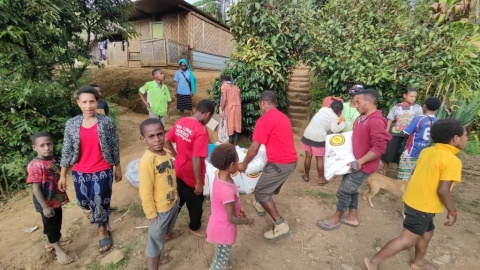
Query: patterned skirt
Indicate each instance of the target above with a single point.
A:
(94, 191)
(405, 167)
(184, 102)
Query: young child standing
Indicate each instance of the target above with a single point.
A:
(428, 193)
(399, 118)
(158, 192)
(157, 96)
(225, 205)
(43, 174)
(419, 137)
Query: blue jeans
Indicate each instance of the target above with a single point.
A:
(347, 193)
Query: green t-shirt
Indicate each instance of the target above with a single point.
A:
(157, 96)
(349, 114)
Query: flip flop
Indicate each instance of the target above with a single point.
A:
(322, 183)
(342, 220)
(106, 242)
(305, 178)
(324, 225)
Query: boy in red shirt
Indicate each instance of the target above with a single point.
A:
(191, 139)
(273, 129)
(43, 174)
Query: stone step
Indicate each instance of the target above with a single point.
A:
(299, 123)
(300, 96)
(299, 84)
(299, 103)
(298, 116)
(303, 78)
(298, 130)
(298, 109)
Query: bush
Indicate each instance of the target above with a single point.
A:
(388, 46)
(271, 37)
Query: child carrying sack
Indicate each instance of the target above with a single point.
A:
(338, 153)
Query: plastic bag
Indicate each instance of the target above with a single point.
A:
(338, 153)
(132, 173)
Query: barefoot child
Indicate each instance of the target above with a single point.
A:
(428, 193)
(226, 213)
(158, 192)
(43, 174)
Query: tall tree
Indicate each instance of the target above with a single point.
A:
(39, 41)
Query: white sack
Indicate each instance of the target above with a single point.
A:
(338, 153)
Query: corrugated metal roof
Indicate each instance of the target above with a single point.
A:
(208, 61)
(149, 7)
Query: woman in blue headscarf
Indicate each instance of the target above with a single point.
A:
(186, 87)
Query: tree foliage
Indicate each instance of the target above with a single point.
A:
(39, 41)
(271, 37)
(389, 46)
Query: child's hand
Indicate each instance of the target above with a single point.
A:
(242, 214)
(249, 221)
(451, 219)
(62, 184)
(152, 220)
(341, 119)
(48, 212)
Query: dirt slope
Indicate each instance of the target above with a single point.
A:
(302, 204)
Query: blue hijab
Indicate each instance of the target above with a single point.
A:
(193, 80)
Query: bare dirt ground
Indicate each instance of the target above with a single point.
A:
(302, 204)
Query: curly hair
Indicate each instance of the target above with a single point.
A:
(223, 155)
(444, 130)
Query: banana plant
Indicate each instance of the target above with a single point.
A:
(450, 10)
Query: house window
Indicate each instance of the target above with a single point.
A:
(157, 30)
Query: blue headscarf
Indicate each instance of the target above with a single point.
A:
(193, 80)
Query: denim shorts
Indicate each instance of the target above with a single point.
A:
(418, 222)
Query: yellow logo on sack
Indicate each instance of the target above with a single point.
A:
(253, 175)
(337, 140)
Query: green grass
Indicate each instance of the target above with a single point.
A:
(137, 211)
(123, 264)
(473, 146)
(316, 194)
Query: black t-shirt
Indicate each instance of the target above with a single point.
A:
(102, 107)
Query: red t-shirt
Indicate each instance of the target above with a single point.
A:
(46, 173)
(273, 129)
(191, 139)
(91, 158)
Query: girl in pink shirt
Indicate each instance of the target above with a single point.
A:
(225, 206)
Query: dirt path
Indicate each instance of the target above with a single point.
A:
(302, 204)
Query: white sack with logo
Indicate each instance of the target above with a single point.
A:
(338, 153)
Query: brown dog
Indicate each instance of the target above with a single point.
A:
(377, 181)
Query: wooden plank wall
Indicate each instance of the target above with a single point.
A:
(143, 29)
(210, 38)
(115, 55)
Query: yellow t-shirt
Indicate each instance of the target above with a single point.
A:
(158, 185)
(435, 163)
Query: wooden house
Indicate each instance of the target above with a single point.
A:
(169, 30)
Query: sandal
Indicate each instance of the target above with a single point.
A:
(322, 183)
(348, 223)
(106, 242)
(324, 225)
(305, 178)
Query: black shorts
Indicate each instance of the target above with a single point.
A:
(418, 222)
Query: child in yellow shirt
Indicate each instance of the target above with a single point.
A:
(158, 191)
(428, 193)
